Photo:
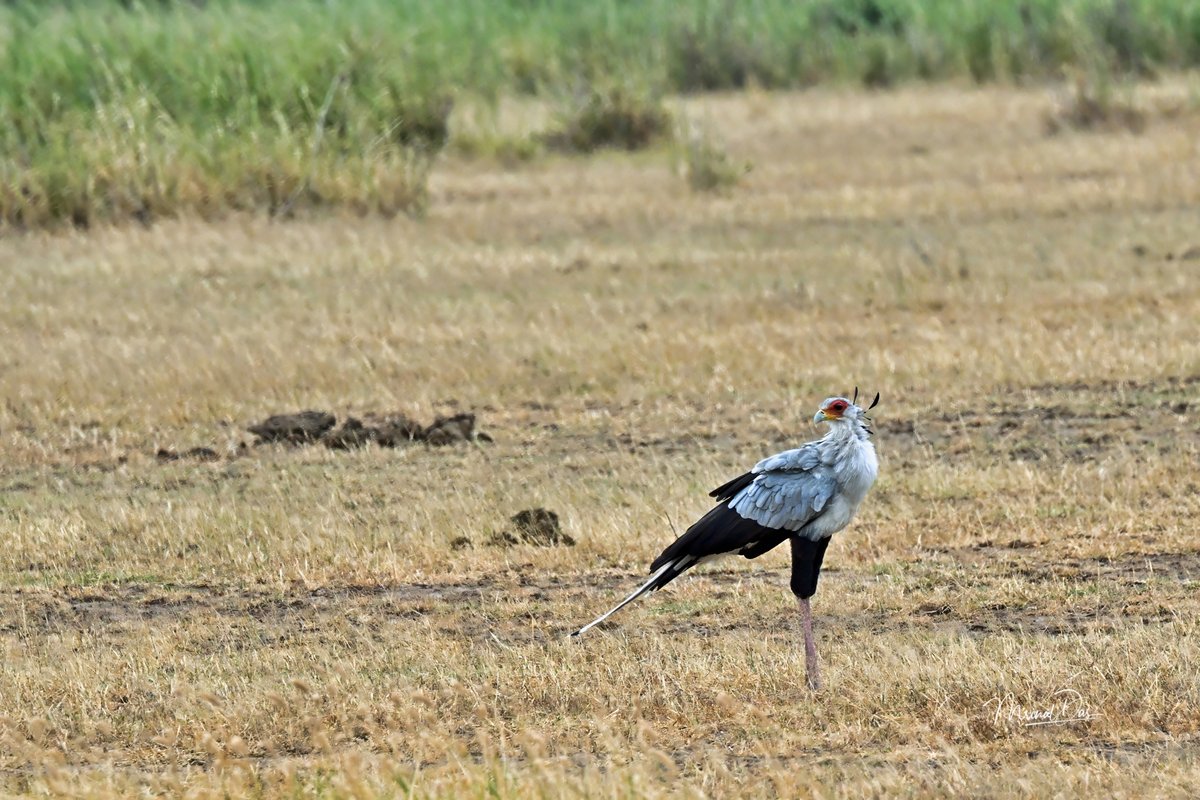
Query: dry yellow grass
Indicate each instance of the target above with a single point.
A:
(293, 622)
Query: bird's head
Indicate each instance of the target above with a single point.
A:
(841, 410)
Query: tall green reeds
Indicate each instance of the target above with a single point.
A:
(117, 109)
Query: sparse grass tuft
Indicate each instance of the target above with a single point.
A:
(1095, 103)
(706, 163)
(618, 117)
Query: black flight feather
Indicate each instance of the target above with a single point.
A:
(721, 530)
(726, 491)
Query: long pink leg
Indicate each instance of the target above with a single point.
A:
(810, 646)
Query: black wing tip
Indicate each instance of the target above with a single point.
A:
(727, 490)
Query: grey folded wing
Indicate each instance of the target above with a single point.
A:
(802, 459)
(789, 491)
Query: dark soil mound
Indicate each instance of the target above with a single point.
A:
(302, 428)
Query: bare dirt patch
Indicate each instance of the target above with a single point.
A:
(1075, 422)
(114, 610)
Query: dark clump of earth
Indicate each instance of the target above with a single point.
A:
(392, 430)
(197, 453)
(302, 428)
(448, 430)
(536, 526)
(311, 427)
(396, 430)
(352, 434)
(540, 526)
(503, 539)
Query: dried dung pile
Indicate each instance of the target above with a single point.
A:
(540, 526)
(302, 428)
(197, 453)
(392, 430)
(536, 526)
(313, 427)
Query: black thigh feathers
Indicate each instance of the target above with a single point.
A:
(807, 556)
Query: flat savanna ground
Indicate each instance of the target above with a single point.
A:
(295, 621)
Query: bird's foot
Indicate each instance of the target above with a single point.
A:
(814, 677)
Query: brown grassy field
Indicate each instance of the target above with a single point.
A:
(293, 622)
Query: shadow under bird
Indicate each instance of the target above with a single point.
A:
(802, 496)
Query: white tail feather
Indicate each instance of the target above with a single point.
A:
(645, 587)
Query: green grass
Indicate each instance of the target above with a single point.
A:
(114, 110)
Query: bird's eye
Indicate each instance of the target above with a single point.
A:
(839, 406)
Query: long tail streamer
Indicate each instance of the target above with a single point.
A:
(645, 587)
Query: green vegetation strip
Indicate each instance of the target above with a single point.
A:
(113, 110)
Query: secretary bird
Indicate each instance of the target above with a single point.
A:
(802, 496)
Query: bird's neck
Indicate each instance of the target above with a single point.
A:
(849, 447)
(842, 434)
